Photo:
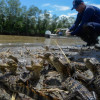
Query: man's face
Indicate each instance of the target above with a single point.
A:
(79, 8)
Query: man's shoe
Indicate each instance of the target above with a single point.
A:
(97, 46)
(90, 44)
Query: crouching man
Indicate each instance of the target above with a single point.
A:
(87, 24)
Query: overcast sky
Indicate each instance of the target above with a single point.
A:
(58, 7)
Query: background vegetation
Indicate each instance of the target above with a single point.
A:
(20, 20)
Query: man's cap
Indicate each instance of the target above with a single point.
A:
(76, 3)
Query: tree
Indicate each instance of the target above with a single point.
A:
(13, 12)
(54, 23)
(2, 15)
(71, 21)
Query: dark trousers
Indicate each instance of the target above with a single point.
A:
(90, 32)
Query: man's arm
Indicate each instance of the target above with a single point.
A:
(74, 26)
(77, 21)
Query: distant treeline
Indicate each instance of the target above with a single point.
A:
(20, 20)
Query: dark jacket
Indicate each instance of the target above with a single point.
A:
(90, 14)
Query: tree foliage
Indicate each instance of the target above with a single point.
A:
(18, 20)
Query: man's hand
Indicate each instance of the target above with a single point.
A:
(68, 33)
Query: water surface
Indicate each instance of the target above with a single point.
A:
(11, 40)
